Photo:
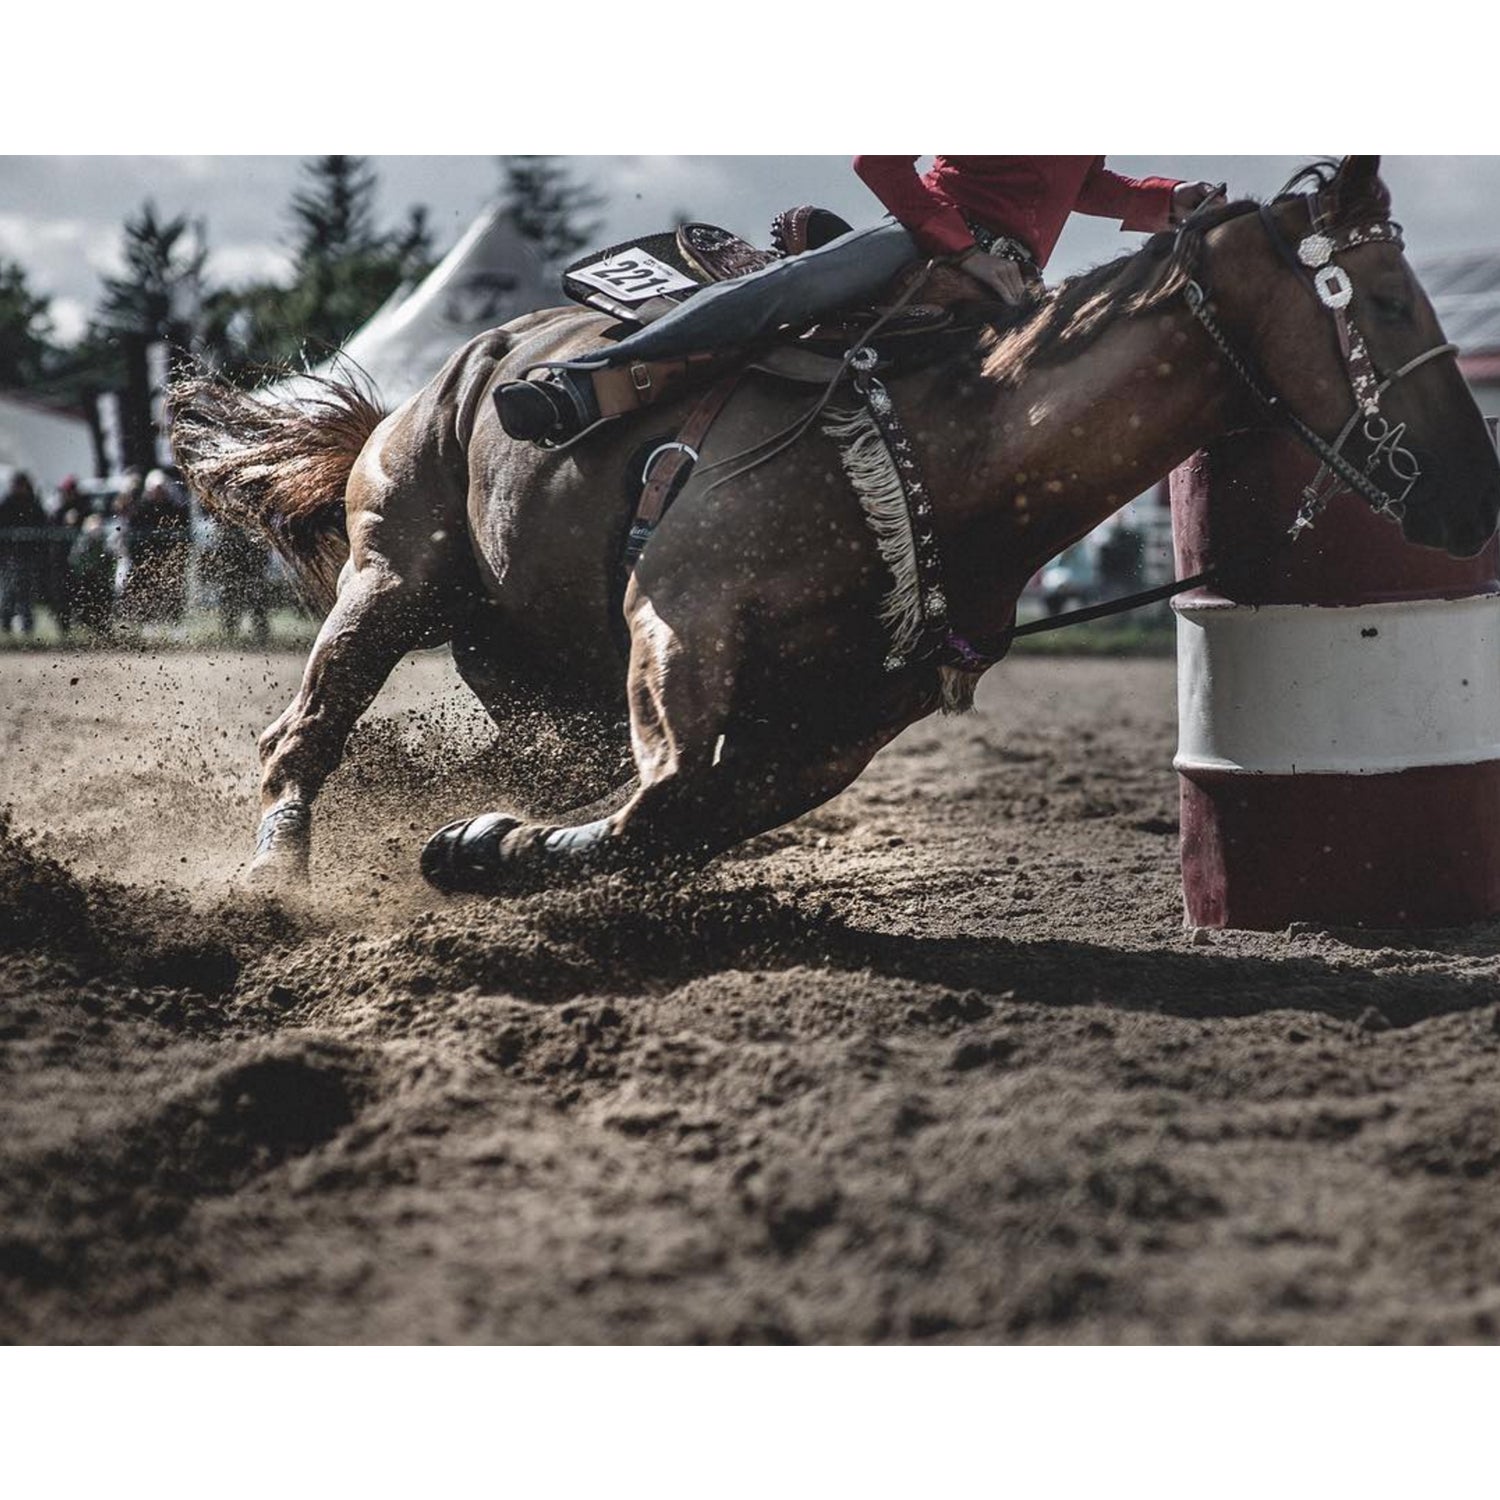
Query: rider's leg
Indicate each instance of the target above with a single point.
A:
(728, 315)
(796, 290)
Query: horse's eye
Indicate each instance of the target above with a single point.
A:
(1391, 307)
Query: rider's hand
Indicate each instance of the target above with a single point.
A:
(1187, 196)
(1001, 276)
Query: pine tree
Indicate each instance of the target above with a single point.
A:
(155, 300)
(25, 330)
(548, 208)
(345, 268)
(413, 245)
(334, 213)
(163, 273)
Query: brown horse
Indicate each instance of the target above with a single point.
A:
(756, 683)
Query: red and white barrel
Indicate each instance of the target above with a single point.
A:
(1338, 709)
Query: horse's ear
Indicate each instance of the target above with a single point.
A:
(1358, 183)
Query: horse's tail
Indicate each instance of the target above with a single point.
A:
(277, 466)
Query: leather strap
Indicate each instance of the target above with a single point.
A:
(667, 463)
(629, 387)
(666, 467)
(799, 364)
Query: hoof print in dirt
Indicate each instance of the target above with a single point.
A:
(794, 1201)
(237, 1122)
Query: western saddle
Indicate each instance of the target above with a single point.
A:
(643, 279)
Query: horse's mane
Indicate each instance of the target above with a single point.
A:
(1076, 312)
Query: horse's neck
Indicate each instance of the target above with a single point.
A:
(1073, 441)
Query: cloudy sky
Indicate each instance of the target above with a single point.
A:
(61, 216)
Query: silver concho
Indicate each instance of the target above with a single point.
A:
(1316, 250)
(1335, 290)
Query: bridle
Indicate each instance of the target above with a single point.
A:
(1315, 262)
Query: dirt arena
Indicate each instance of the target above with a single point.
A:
(938, 1062)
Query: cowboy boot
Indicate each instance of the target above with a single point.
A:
(550, 409)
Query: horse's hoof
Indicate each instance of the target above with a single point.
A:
(272, 873)
(466, 856)
(282, 849)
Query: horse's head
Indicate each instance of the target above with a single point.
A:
(1344, 336)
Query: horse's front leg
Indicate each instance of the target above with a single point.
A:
(376, 619)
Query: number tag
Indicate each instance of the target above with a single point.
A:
(632, 276)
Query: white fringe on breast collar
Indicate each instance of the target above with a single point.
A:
(873, 475)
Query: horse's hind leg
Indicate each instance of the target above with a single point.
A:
(375, 621)
(698, 794)
(759, 782)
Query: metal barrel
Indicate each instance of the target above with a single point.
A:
(1338, 708)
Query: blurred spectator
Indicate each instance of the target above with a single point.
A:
(236, 564)
(65, 513)
(91, 575)
(127, 499)
(1070, 580)
(22, 540)
(156, 546)
(1122, 556)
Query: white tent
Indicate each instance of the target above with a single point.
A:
(48, 445)
(489, 277)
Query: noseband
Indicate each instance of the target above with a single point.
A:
(1315, 263)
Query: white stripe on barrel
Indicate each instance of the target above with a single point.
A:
(1299, 689)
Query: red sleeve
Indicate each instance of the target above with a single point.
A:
(1139, 203)
(936, 226)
